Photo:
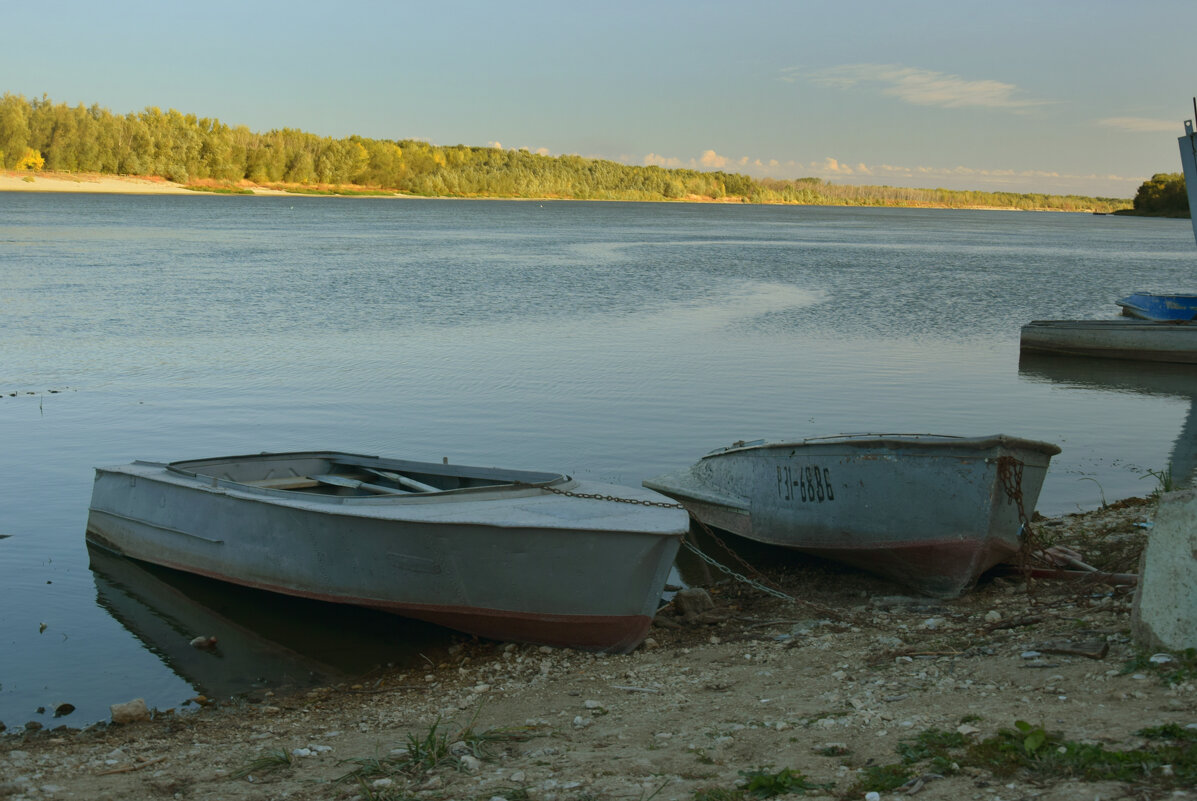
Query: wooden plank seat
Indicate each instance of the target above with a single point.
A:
(349, 482)
(285, 483)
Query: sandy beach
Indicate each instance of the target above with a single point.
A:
(100, 184)
(848, 689)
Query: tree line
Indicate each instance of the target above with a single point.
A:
(39, 134)
(1163, 195)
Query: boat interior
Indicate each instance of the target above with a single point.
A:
(343, 474)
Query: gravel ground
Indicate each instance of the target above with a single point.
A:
(824, 696)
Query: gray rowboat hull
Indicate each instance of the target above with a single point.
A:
(928, 511)
(510, 562)
(1124, 338)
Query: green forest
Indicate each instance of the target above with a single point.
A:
(1162, 195)
(39, 135)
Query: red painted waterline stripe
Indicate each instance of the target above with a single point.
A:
(614, 633)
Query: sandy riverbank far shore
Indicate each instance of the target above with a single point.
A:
(852, 688)
(100, 184)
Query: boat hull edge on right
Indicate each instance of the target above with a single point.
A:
(930, 512)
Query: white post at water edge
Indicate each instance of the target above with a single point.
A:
(1165, 608)
(1188, 160)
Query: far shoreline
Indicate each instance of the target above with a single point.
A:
(95, 183)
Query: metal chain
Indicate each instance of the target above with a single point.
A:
(685, 542)
(731, 552)
(692, 548)
(596, 497)
(1010, 474)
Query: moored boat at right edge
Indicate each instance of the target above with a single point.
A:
(932, 512)
(1118, 338)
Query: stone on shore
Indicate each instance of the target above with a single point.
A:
(130, 712)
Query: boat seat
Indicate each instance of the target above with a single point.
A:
(352, 483)
(402, 480)
(285, 483)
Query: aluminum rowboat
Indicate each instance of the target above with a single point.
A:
(1121, 338)
(506, 554)
(928, 511)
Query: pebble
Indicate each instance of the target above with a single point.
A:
(470, 763)
(993, 616)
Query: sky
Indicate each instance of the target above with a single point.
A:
(1054, 96)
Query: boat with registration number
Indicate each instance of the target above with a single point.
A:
(932, 512)
(507, 554)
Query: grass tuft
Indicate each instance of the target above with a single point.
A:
(435, 748)
(267, 762)
(1178, 668)
(1168, 760)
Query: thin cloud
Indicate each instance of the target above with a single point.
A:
(833, 169)
(712, 159)
(1140, 125)
(669, 162)
(977, 178)
(921, 87)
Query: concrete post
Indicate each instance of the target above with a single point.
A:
(1165, 609)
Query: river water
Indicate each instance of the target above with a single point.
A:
(613, 341)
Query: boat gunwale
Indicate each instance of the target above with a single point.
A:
(1113, 324)
(927, 442)
(403, 509)
(511, 481)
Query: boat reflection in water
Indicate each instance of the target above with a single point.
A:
(1152, 379)
(263, 640)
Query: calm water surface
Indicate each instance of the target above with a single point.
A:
(612, 341)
